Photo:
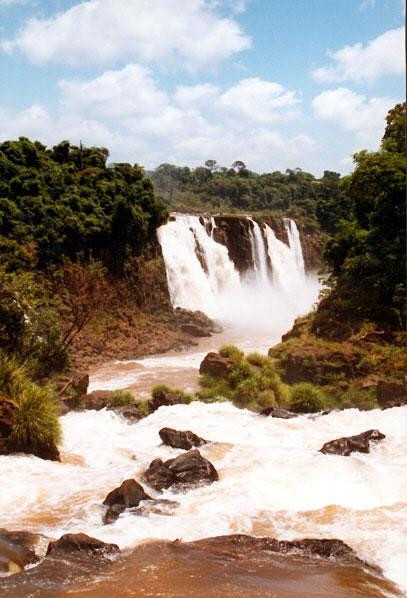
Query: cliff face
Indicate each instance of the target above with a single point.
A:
(234, 232)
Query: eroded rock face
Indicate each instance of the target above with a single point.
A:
(195, 323)
(186, 470)
(215, 365)
(81, 543)
(347, 445)
(179, 439)
(391, 394)
(278, 413)
(129, 494)
(234, 233)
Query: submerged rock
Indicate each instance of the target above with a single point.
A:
(81, 543)
(279, 413)
(187, 469)
(157, 506)
(20, 548)
(129, 494)
(215, 365)
(347, 445)
(180, 439)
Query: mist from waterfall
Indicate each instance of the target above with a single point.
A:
(201, 275)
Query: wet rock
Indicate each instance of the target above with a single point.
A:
(187, 469)
(278, 412)
(165, 398)
(159, 506)
(241, 544)
(129, 412)
(215, 365)
(347, 445)
(234, 233)
(129, 494)
(183, 440)
(20, 548)
(81, 543)
(158, 476)
(192, 468)
(80, 384)
(391, 394)
(195, 323)
(194, 330)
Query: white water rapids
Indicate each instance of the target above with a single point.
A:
(273, 481)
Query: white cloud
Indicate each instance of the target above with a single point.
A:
(188, 33)
(194, 95)
(367, 4)
(354, 112)
(258, 101)
(129, 91)
(382, 56)
(127, 112)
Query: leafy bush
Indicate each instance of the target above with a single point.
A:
(121, 398)
(185, 397)
(252, 383)
(306, 398)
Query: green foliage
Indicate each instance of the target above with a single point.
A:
(184, 397)
(120, 398)
(29, 326)
(252, 383)
(321, 202)
(65, 202)
(306, 398)
(36, 421)
(367, 254)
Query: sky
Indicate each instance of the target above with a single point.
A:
(275, 83)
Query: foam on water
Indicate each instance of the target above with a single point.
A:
(273, 480)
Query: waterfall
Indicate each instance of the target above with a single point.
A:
(201, 274)
(258, 252)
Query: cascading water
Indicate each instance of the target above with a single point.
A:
(202, 276)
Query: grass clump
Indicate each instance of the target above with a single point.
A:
(162, 389)
(306, 398)
(36, 421)
(120, 398)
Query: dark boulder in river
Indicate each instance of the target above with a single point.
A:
(278, 413)
(347, 445)
(158, 475)
(81, 543)
(187, 469)
(129, 494)
(180, 439)
(215, 365)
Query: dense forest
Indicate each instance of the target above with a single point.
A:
(319, 203)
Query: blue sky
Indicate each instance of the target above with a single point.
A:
(276, 83)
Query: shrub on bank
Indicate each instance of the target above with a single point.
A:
(306, 398)
(35, 424)
(252, 382)
(121, 398)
